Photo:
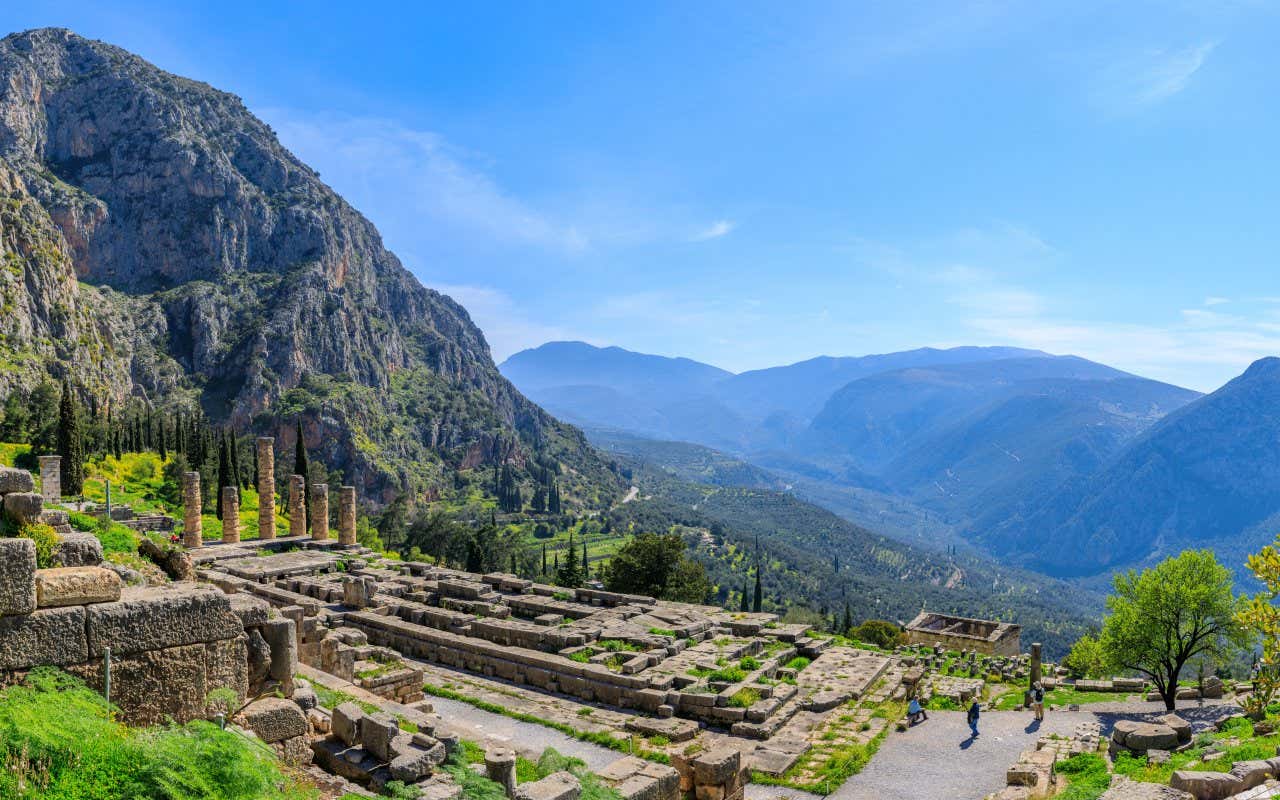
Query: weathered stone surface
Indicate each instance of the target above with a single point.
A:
(230, 514)
(376, 734)
(152, 687)
(15, 480)
(49, 636)
(1206, 785)
(153, 618)
(280, 637)
(1121, 730)
(306, 698)
(253, 611)
(721, 764)
(17, 577)
(500, 766)
(1213, 688)
(192, 531)
(1124, 789)
(266, 488)
(1179, 725)
(346, 723)
(319, 511)
(1252, 773)
(414, 760)
(274, 719)
(561, 785)
(347, 515)
(51, 478)
(78, 549)
(297, 505)
(1152, 737)
(24, 507)
(76, 586)
(226, 666)
(295, 752)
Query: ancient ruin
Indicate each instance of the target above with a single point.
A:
(962, 633)
(266, 487)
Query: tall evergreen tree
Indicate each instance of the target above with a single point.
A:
(758, 602)
(161, 441)
(746, 596)
(586, 563)
(224, 475)
(70, 443)
(544, 559)
(300, 467)
(237, 477)
(846, 625)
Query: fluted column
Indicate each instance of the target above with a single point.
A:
(297, 505)
(266, 487)
(347, 515)
(230, 514)
(192, 536)
(319, 511)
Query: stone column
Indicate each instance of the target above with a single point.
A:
(319, 511)
(266, 487)
(297, 505)
(230, 514)
(51, 478)
(500, 766)
(1035, 663)
(347, 515)
(191, 531)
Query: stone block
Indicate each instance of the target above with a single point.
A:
(252, 611)
(1179, 725)
(17, 577)
(226, 666)
(15, 480)
(157, 617)
(1252, 773)
(76, 586)
(281, 638)
(377, 731)
(346, 723)
(561, 785)
(500, 766)
(54, 636)
(296, 752)
(1206, 785)
(78, 549)
(274, 719)
(306, 698)
(1151, 737)
(415, 758)
(719, 765)
(153, 687)
(24, 508)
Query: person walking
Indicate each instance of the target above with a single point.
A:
(974, 712)
(1037, 700)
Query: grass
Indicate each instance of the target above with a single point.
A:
(623, 745)
(728, 675)
(798, 663)
(59, 743)
(1061, 696)
(1087, 776)
(332, 698)
(663, 632)
(115, 538)
(744, 698)
(830, 765)
(940, 702)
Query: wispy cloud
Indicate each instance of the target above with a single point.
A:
(390, 170)
(1216, 301)
(1150, 77)
(715, 230)
(506, 327)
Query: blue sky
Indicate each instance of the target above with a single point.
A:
(752, 184)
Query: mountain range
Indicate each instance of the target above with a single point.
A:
(1054, 463)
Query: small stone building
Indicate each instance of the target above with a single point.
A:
(962, 633)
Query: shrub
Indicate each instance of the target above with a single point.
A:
(46, 539)
(1086, 775)
(744, 698)
(881, 633)
(748, 663)
(727, 675)
(798, 663)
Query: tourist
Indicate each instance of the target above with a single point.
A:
(1037, 700)
(915, 712)
(974, 713)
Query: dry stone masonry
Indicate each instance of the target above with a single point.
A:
(266, 487)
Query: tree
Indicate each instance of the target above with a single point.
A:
(1261, 616)
(757, 602)
(883, 634)
(1086, 659)
(570, 574)
(745, 606)
(847, 623)
(70, 444)
(657, 565)
(1163, 617)
(300, 467)
(224, 475)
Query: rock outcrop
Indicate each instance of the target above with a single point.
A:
(159, 242)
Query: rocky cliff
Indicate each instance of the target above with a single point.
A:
(160, 243)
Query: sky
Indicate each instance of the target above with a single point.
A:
(752, 184)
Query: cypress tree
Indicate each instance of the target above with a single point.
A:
(161, 443)
(237, 477)
(300, 468)
(224, 470)
(586, 563)
(70, 444)
(544, 559)
(758, 602)
(847, 624)
(746, 605)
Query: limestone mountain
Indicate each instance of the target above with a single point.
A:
(160, 243)
(1206, 475)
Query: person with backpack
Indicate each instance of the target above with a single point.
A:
(974, 712)
(1037, 700)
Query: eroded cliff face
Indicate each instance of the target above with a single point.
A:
(197, 256)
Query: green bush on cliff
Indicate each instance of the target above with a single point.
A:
(58, 742)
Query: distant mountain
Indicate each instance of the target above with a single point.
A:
(1206, 475)
(801, 389)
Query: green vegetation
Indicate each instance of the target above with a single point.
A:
(657, 565)
(727, 675)
(663, 632)
(1235, 742)
(826, 766)
(1087, 776)
(332, 698)
(1061, 696)
(798, 663)
(1161, 618)
(744, 698)
(59, 743)
(1087, 658)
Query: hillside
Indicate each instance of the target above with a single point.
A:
(1208, 474)
(162, 248)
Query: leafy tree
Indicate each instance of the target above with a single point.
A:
(883, 634)
(1086, 659)
(1163, 617)
(1261, 616)
(439, 536)
(70, 443)
(657, 565)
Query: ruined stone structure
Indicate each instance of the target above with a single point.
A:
(230, 514)
(51, 478)
(192, 535)
(962, 633)
(319, 511)
(266, 487)
(347, 516)
(297, 505)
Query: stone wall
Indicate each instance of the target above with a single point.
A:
(962, 633)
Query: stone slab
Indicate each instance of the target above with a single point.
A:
(53, 636)
(155, 617)
(274, 719)
(76, 586)
(17, 576)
